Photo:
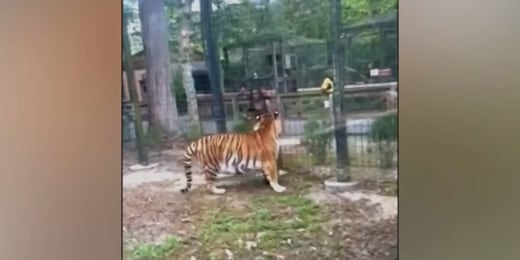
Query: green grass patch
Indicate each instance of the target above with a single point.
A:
(270, 221)
(390, 189)
(155, 251)
(296, 162)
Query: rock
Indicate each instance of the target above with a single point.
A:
(138, 167)
(250, 245)
(229, 254)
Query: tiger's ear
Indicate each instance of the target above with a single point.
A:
(258, 117)
(276, 114)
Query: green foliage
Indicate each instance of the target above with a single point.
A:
(307, 18)
(174, 12)
(385, 128)
(390, 188)
(153, 136)
(241, 126)
(227, 227)
(317, 138)
(194, 132)
(180, 93)
(244, 21)
(155, 251)
(237, 22)
(130, 10)
(178, 86)
(355, 10)
(384, 133)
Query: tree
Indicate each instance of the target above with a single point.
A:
(307, 18)
(159, 77)
(356, 10)
(187, 78)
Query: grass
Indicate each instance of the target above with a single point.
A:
(155, 251)
(253, 223)
(390, 189)
(271, 223)
(153, 136)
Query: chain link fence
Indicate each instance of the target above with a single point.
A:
(259, 50)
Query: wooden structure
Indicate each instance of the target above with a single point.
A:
(277, 63)
(299, 104)
(199, 73)
(141, 91)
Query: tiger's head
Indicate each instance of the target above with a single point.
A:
(268, 122)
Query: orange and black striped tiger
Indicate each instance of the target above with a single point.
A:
(237, 152)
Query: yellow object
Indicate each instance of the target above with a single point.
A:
(327, 86)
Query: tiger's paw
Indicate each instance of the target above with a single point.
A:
(278, 188)
(216, 190)
(282, 172)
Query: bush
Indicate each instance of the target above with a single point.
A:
(384, 133)
(241, 126)
(153, 137)
(179, 92)
(194, 132)
(317, 139)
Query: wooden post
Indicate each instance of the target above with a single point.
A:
(245, 61)
(349, 54)
(234, 104)
(275, 67)
(279, 160)
(284, 65)
(128, 66)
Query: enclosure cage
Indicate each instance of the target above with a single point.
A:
(351, 132)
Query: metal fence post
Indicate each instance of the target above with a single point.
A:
(213, 68)
(340, 131)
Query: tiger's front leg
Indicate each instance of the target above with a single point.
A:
(271, 173)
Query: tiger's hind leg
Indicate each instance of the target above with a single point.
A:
(211, 177)
(271, 174)
(265, 180)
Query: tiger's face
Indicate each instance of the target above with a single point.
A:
(268, 118)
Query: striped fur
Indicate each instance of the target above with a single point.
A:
(235, 153)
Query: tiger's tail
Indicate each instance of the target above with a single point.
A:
(186, 160)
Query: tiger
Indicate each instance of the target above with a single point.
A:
(236, 152)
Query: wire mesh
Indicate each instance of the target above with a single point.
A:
(260, 50)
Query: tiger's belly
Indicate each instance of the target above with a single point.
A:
(234, 165)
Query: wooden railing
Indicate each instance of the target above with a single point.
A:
(296, 105)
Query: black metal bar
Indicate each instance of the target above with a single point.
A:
(212, 63)
(340, 131)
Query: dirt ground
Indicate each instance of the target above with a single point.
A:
(251, 221)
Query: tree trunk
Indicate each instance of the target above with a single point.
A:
(218, 34)
(159, 76)
(187, 77)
